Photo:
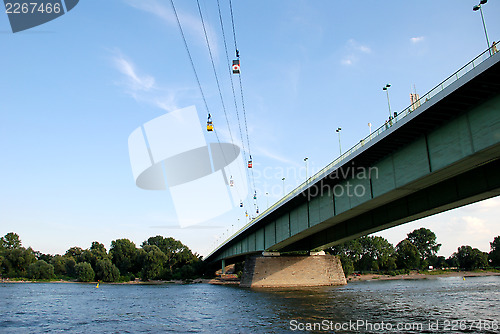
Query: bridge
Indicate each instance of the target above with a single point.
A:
(438, 154)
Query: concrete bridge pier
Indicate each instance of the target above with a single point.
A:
(271, 270)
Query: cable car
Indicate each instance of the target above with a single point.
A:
(236, 66)
(246, 213)
(231, 182)
(241, 204)
(257, 210)
(255, 195)
(210, 125)
(250, 163)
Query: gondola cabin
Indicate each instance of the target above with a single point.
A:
(249, 163)
(236, 66)
(210, 124)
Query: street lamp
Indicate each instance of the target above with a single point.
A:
(386, 88)
(370, 126)
(283, 179)
(480, 8)
(267, 197)
(340, 146)
(305, 160)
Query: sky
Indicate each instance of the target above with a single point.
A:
(74, 89)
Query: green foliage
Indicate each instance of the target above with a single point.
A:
(177, 254)
(84, 272)
(16, 261)
(471, 258)
(106, 271)
(40, 270)
(425, 241)
(407, 255)
(365, 254)
(124, 255)
(153, 260)
(10, 241)
(494, 255)
(69, 264)
(173, 259)
(59, 263)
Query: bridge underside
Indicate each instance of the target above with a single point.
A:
(475, 185)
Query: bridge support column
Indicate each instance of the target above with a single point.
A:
(292, 271)
(223, 266)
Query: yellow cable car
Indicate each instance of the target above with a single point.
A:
(210, 125)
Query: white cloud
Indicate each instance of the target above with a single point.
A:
(354, 50)
(143, 87)
(354, 45)
(135, 81)
(190, 23)
(416, 40)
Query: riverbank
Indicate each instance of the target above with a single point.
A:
(414, 275)
(137, 281)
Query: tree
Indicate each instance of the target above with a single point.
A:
(124, 255)
(59, 263)
(407, 255)
(177, 254)
(10, 241)
(471, 258)
(16, 261)
(425, 241)
(75, 253)
(40, 270)
(152, 262)
(106, 271)
(84, 272)
(494, 255)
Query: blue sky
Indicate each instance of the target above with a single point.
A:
(72, 91)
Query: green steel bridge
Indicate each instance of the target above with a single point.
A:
(438, 154)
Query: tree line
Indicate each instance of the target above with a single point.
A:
(157, 258)
(416, 252)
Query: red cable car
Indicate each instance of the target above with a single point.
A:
(249, 163)
(236, 66)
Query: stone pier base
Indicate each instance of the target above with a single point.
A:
(292, 271)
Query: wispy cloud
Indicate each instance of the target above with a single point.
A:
(416, 40)
(144, 87)
(353, 52)
(134, 81)
(191, 24)
(266, 153)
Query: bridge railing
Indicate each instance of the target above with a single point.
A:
(335, 163)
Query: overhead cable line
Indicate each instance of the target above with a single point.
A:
(196, 75)
(241, 87)
(233, 90)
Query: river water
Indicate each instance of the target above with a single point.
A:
(438, 305)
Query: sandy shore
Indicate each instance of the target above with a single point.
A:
(416, 275)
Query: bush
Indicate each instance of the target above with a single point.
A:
(40, 270)
(84, 272)
(107, 271)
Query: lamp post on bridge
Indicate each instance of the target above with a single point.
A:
(480, 8)
(386, 88)
(340, 146)
(267, 199)
(283, 179)
(305, 160)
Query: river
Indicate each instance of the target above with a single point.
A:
(437, 305)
